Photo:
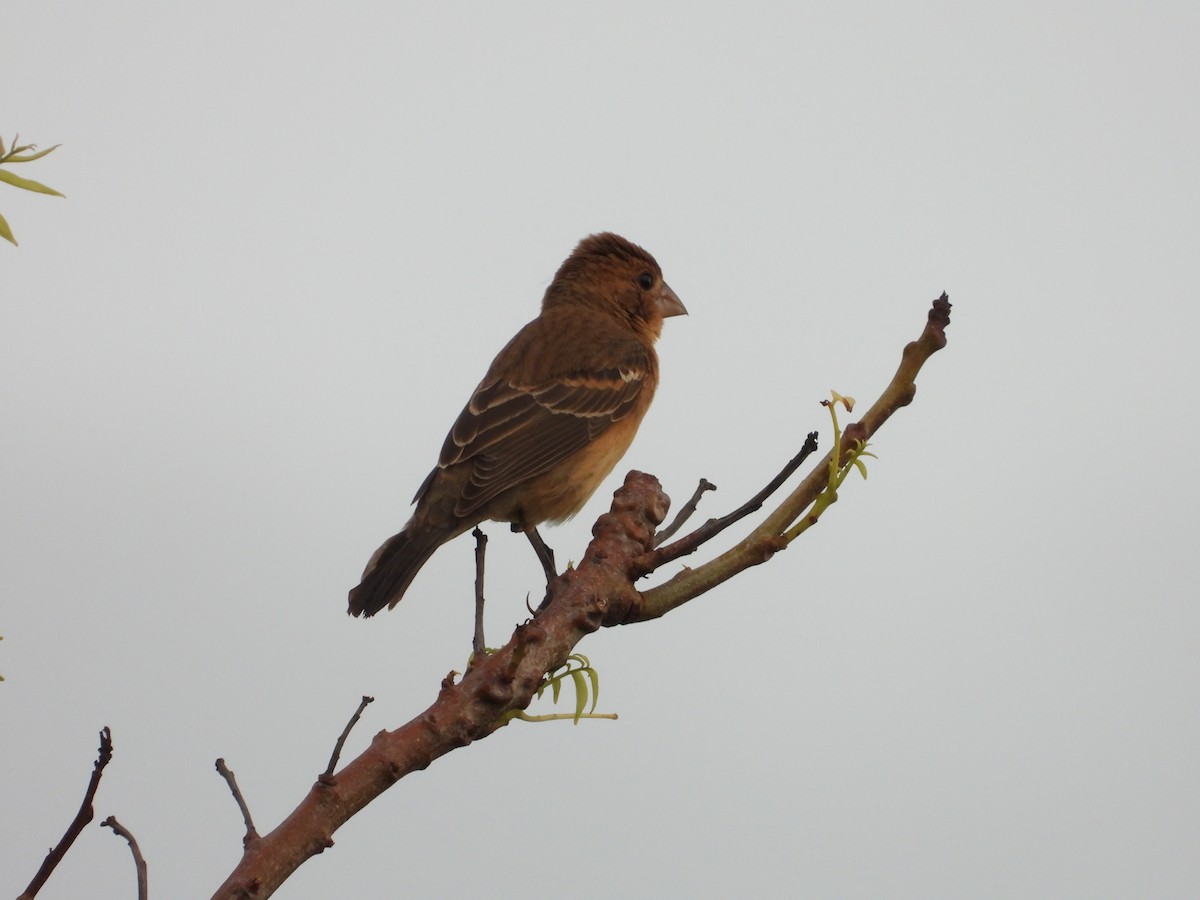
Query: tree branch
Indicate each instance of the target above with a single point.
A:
(768, 538)
(599, 589)
(598, 592)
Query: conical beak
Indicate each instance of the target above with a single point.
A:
(669, 303)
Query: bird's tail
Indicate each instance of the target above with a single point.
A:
(393, 567)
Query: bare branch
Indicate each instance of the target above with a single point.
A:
(252, 836)
(713, 527)
(139, 864)
(599, 592)
(86, 814)
(341, 741)
(686, 513)
(768, 538)
(479, 645)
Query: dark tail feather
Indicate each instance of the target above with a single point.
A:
(392, 569)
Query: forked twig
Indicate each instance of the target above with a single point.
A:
(710, 529)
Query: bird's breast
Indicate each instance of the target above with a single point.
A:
(560, 493)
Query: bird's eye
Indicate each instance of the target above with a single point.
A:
(645, 281)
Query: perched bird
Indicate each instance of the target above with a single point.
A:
(555, 413)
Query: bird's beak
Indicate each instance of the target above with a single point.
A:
(669, 303)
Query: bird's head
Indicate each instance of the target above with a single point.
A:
(614, 275)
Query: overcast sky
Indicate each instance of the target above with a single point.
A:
(295, 236)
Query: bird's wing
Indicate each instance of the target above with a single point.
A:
(514, 429)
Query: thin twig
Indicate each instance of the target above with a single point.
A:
(341, 741)
(685, 513)
(479, 645)
(139, 862)
(227, 774)
(710, 529)
(85, 815)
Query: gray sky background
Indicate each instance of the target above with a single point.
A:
(295, 236)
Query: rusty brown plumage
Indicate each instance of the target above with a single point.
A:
(557, 410)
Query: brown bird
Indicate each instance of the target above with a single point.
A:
(555, 413)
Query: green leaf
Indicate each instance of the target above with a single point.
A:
(32, 156)
(6, 232)
(595, 679)
(580, 693)
(27, 184)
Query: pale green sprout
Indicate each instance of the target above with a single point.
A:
(837, 474)
(585, 680)
(18, 153)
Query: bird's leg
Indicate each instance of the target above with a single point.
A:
(478, 646)
(544, 554)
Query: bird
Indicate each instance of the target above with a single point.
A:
(559, 406)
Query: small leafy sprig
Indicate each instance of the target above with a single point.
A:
(22, 153)
(585, 680)
(837, 474)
